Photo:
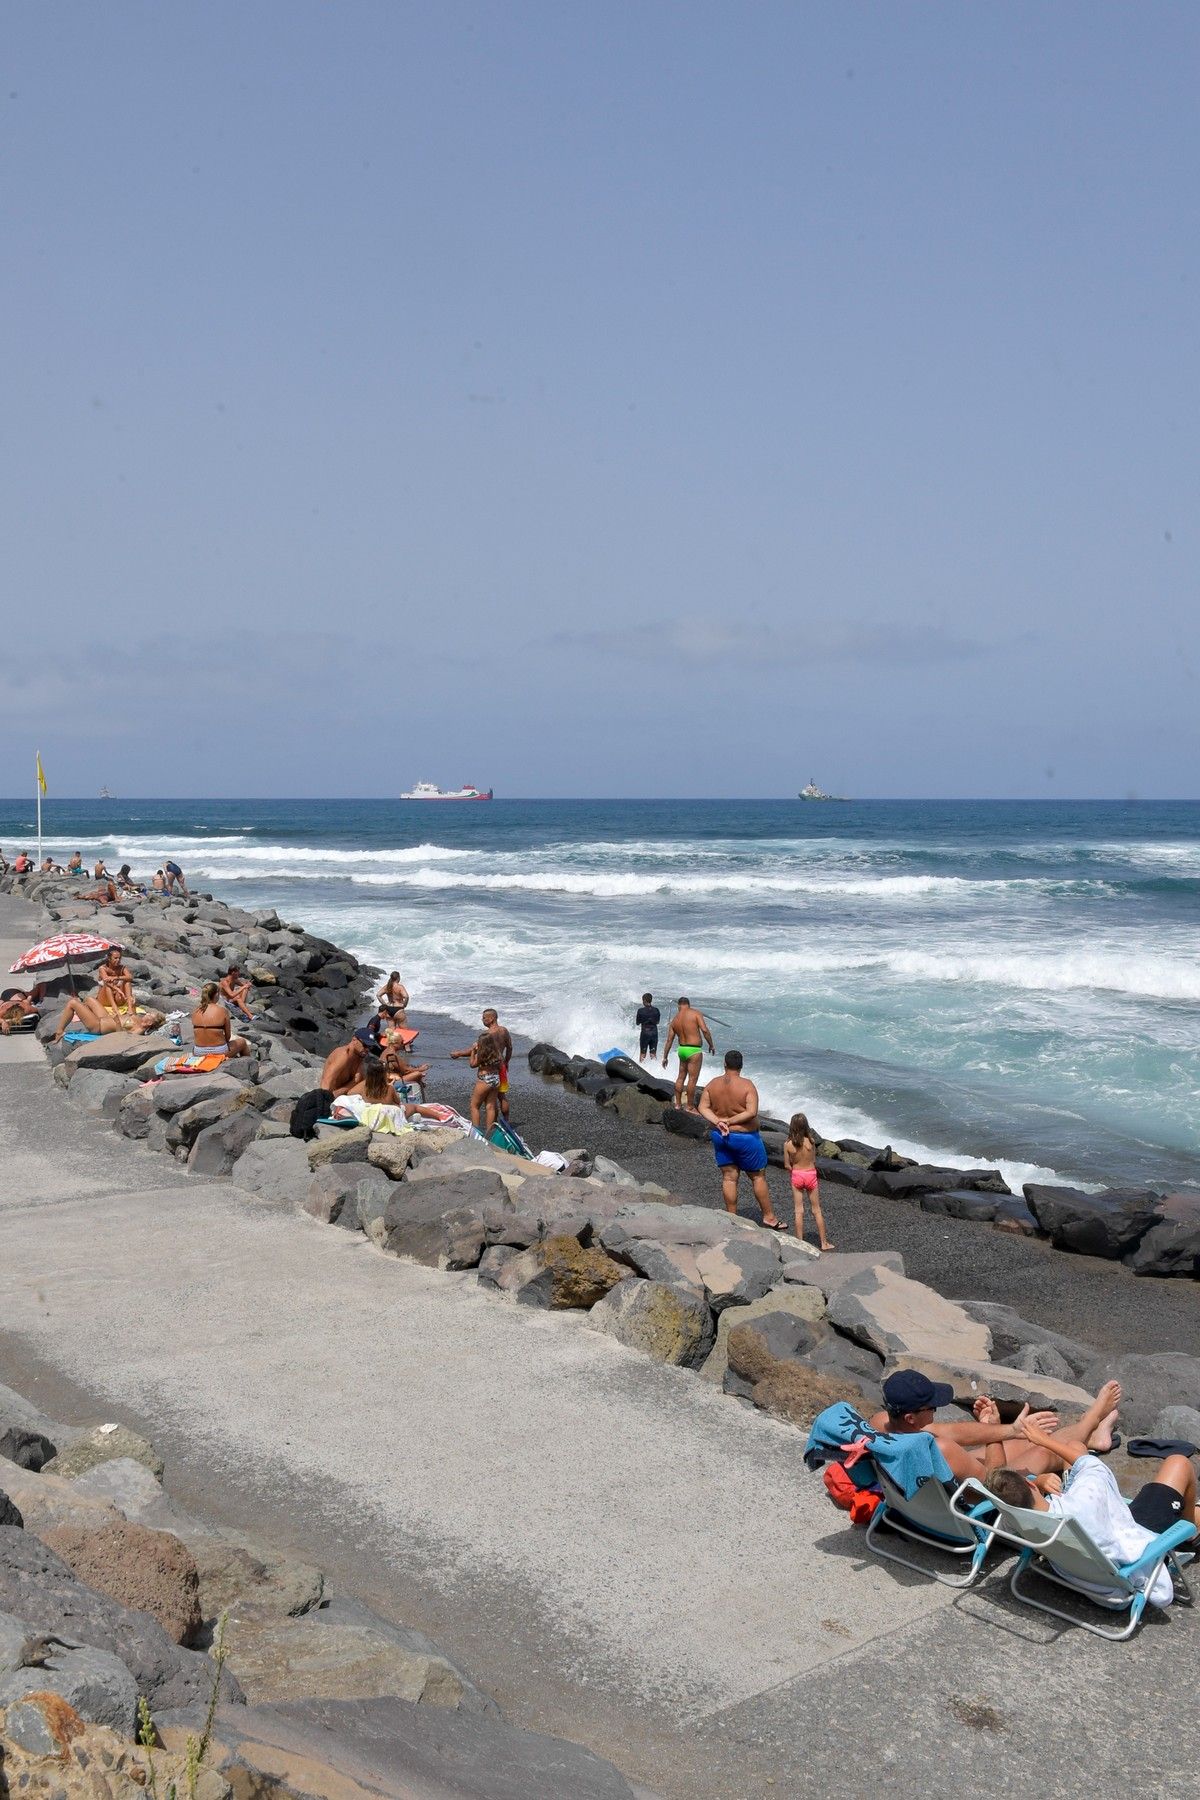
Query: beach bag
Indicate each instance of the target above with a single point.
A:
(860, 1503)
(308, 1109)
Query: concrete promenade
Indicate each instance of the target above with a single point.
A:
(617, 1552)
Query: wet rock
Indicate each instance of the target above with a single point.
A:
(962, 1203)
(560, 1274)
(670, 1324)
(548, 1060)
(912, 1183)
(104, 1443)
(849, 1174)
(150, 1571)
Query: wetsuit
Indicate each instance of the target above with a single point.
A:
(647, 1022)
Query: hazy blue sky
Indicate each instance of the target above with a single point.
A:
(600, 398)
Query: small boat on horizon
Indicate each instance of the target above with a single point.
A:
(813, 792)
(104, 794)
(428, 790)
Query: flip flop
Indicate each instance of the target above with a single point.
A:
(777, 1226)
(1161, 1447)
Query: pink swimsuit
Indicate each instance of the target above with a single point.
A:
(805, 1178)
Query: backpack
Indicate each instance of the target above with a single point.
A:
(308, 1109)
(859, 1502)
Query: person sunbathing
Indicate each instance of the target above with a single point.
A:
(212, 1030)
(16, 1006)
(105, 895)
(84, 1013)
(1121, 1528)
(910, 1401)
(233, 988)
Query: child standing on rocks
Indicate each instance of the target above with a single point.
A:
(800, 1159)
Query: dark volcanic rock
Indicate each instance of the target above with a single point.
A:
(683, 1123)
(28, 1448)
(1172, 1244)
(441, 1222)
(1106, 1224)
(962, 1203)
(10, 1514)
(39, 1588)
(849, 1174)
(911, 1183)
(548, 1060)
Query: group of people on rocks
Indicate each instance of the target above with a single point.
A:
(109, 888)
(729, 1106)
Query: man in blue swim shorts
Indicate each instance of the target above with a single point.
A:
(730, 1105)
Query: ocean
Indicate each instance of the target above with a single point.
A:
(1012, 983)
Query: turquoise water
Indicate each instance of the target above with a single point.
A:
(1016, 982)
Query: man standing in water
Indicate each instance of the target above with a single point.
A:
(688, 1027)
(730, 1105)
(646, 1020)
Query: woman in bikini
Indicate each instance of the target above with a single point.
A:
(393, 998)
(85, 1013)
(485, 1095)
(800, 1159)
(211, 1029)
(116, 984)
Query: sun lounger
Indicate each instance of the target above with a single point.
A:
(1061, 1551)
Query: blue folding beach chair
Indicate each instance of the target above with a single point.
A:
(1058, 1549)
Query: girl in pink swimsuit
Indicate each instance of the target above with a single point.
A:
(800, 1158)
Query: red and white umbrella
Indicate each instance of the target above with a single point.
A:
(61, 950)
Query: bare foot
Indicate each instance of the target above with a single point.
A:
(1102, 1437)
(827, 1246)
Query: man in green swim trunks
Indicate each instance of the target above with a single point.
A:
(688, 1027)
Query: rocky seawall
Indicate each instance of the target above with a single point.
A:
(757, 1314)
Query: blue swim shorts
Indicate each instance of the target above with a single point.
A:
(742, 1150)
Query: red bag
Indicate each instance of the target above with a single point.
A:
(860, 1503)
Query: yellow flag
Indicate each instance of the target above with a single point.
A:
(41, 773)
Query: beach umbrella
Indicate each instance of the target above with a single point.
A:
(60, 951)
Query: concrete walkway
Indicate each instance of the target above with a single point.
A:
(615, 1550)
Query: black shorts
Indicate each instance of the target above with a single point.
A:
(1157, 1507)
(649, 1043)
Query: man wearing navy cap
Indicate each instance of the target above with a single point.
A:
(976, 1446)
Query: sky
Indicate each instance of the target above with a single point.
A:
(620, 397)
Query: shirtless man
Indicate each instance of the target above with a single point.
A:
(343, 1066)
(910, 1401)
(211, 1026)
(233, 988)
(503, 1037)
(688, 1027)
(730, 1105)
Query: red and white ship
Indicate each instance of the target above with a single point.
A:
(426, 790)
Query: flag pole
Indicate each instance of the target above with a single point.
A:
(38, 786)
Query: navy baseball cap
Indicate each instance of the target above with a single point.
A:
(908, 1391)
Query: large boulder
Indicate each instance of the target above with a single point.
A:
(441, 1223)
(438, 1161)
(94, 1683)
(328, 1191)
(559, 1273)
(38, 1587)
(340, 1145)
(134, 1113)
(274, 1168)
(761, 1346)
(100, 1091)
(392, 1154)
(104, 1443)
(122, 1051)
(836, 1268)
(218, 1147)
(1011, 1335)
(631, 1104)
(962, 1203)
(1150, 1382)
(806, 1303)
(352, 1748)
(1182, 1422)
(1172, 1244)
(681, 1122)
(559, 1207)
(10, 1512)
(188, 1122)
(1000, 1380)
(1106, 1224)
(897, 1317)
(239, 1576)
(150, 1571)
(911, 1183)
(176, 1093)
(796, 1393)
(47, 1502)
(729, 1259)
(341, 1652)
(670, 1324)
(548, 1060)
(26, 1447)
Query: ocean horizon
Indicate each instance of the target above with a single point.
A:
(1007, 982)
